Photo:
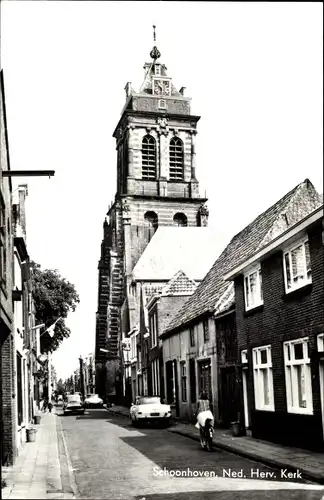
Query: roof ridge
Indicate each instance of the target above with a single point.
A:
(244, 243)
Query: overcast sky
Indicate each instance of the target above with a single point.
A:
(255, 75)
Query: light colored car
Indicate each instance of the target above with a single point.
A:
(93, 401)
(73, 404)
(149, 409)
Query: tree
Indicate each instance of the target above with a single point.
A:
(54, 297)
(60, 386)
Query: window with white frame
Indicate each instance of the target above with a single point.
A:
(155, 377)
(253, 288)
(133, 347)
(298, 376)
(297, 265)
(153, 328)
(183, 381)
(262, 378)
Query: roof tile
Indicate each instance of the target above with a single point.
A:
(294, 206)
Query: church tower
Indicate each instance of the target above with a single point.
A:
(156, 186)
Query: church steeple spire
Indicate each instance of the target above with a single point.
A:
(155, 53)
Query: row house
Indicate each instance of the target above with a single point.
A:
(25, 333)
(279, 293)
(20, 344)
(200, 345)
(159, 308)
(8, 350)
(171, 256)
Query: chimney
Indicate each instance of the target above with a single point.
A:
(182, 90)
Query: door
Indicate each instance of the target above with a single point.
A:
(205, 383)
(169, 381)
(228, 406)
(176, 387)
(245, 398)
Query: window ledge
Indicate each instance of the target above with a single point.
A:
(254, 310)
(265, 409)
(300, 411)
(297, 293)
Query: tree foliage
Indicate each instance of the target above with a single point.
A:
(54, 297)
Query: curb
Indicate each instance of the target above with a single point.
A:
(252, 456)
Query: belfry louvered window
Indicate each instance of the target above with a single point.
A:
(176, 159)
(148, 158)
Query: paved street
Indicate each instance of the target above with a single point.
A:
(112, 460)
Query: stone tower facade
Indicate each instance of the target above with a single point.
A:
(156, 186)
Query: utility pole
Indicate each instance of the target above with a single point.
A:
(49, 379)
(81, 376)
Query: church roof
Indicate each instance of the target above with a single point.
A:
(213, 292)
(191, 249)
(180, 284)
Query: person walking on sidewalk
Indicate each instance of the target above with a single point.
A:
(50, 406)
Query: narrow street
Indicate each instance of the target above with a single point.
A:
(112, 460)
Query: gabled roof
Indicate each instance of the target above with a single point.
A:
(294, 206)
(180, 284)
(191, 249)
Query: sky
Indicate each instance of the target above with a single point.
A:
(254, 72)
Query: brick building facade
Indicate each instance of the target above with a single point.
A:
(156, 186)
(280, 329)
(8, 351)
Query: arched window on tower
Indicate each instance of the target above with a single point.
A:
(148, 158)
(151, 224)
(151, 220)
(180, 220)
(176, 159)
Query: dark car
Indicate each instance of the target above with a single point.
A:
(73, 404)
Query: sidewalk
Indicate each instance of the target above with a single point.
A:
(41, 469)
(310, 464)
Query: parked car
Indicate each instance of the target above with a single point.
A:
(93, 401)
(73, 404)
(150, 409)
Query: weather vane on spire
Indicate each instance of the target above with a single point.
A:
(155, 54)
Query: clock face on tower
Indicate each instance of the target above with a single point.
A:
(161, 87)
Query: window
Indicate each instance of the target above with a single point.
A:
(183, 369)
(157, 69)
(133, 347)
(192, 336)
(162, 104)
(3, 243)
(153, 329)
(262, 376)
(298, 376)
(151, 220)
(176, 159)
(253, 288)
(180, 220)
(148, 158)
(297, 266)
(155, 377)
(206, 330)
(205, 384)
